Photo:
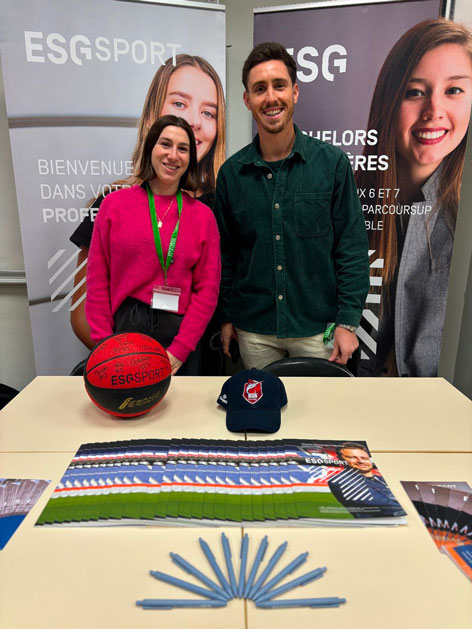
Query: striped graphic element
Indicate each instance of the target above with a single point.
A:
(63, 271)
(352, 486)
(368, 316)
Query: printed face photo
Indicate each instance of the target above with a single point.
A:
(271, 96)
(434, 114)
(358, 459)
(191, 94)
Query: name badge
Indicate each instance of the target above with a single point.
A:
(166, 298)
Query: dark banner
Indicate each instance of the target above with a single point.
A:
(389, 84)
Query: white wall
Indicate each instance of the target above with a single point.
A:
(456, 354)
(16, 343)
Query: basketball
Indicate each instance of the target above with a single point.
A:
(127, 374)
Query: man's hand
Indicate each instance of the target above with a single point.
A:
(345, 343)
(227, 333)
(175, 363)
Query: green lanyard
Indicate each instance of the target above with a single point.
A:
(157, 235)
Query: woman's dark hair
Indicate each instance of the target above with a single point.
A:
(189, 180)
(269, 51)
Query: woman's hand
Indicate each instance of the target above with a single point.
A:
(175, 363)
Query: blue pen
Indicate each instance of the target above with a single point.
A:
(185, 565)
(257, 561)
(216, 568)
(268, 569)
(293, 565)
(184, 584)
(229, 564)
(243, 562)
(303, 580)
(333, 601)
(169, 603)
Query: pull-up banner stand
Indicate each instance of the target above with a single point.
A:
(76, 75)
(404, 146)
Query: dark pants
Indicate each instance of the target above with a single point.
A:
(136, 316)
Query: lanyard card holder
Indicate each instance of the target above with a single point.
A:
(166, 298)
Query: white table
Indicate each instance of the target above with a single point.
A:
(91, 577)
(55, 414)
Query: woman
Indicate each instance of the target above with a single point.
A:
(154, 261)
(192, 90)
(421, 110)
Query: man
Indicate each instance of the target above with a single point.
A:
(294, 245)
(357, 488)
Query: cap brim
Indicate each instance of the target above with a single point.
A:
(258, 421)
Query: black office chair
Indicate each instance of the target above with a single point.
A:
(307, 366)
(78, 370)
(6, 394)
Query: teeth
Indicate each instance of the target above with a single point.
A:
(272, 112)
(171, 167)
(429, 135)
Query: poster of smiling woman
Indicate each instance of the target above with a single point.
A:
(84, 81)
(391, 84)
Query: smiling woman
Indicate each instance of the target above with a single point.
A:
(434, 114)
(421, 110)
(192, 95)
(189, 87)
(154, 262)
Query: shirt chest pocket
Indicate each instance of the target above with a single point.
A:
(312, 214)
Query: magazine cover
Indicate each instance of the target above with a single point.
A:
(17, 498)
(191, 481)
(445, 508)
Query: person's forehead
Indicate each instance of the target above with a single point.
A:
(268, 71)
(186, 71)
(174, 133)
(353, 451)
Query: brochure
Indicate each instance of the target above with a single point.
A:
(445, 508)
(306, 482)
(17, 498)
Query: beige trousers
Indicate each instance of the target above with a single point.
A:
(258, 350)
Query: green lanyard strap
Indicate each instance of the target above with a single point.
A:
(157, 236)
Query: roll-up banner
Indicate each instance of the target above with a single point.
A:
(76, 76)
(389, 83)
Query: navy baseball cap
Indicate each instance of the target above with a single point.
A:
(253, 399)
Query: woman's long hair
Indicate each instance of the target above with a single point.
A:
(209, 165)
(388, 96)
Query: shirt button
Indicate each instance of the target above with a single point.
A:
(269, 176)
(279, 267)
(277, 206)
(277, 237)
(281, 297)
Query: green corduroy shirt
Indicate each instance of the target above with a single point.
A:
(294, 243)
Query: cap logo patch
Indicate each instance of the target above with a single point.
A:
(252, 391)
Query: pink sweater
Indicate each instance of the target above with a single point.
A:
(123, 262)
